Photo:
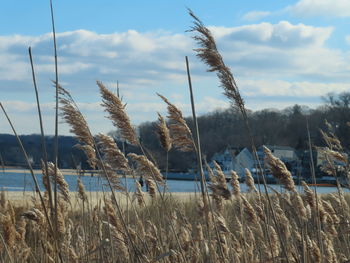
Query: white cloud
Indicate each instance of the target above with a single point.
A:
(280, 88)
(255, 15)
(282, 34)
(347, 39)
(274, 60)
(305, 8)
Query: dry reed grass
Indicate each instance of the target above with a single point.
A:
(26, 237)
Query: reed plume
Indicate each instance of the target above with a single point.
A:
(61, 182)
(151, 187)
(236, 190)
(78, 125)
(249, 181)
(116, 110)
(9, 231)
(146, 167)
(112, 154)
(110, 174)
(163, 133)
(181, 133)
(249, 211)
(219, 185)
(139, 194)
(210, 55)
(81, 191)
(309, 195)
(279, 170)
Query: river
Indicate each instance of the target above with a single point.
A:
(22, 181)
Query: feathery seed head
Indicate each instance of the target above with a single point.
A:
(163, 133)
(116, 110)
(279, 170)
(181, 133)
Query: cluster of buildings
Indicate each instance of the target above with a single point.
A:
(297, 162)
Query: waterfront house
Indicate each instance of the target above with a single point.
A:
(243, 160)
(286, 154)
(233, 159)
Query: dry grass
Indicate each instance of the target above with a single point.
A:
(95, 233)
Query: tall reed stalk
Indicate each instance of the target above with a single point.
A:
(43, 144)
(55, 153)
(210, 55)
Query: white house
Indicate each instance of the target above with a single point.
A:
(231, 159)
(243, 160)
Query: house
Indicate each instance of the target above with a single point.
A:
(233, 159)
(286, 154)
(242, 161)
(225, 159)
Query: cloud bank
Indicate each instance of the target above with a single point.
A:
(269, 60)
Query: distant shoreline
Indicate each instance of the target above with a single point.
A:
(25, 199)
(11, 169)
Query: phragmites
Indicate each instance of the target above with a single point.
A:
(330, 158)
(9, 230)
(236, 190)
(210, 55)
(139, 194)
(181, 133)
(113, 177)
(116, 109)
(45, 177)
(221, 223)
(279, 170)
(249, 181)
(34, 215)
(309, 195)
(37, 216)
(299, 206)
(218, 185)
(151, 187)
(146, 167)
(78, 125)
(61, 182)
(249, 211)
(112, 155)
(163, 133)
(81, 191)
(330, 138)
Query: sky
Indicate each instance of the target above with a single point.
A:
(281, 53)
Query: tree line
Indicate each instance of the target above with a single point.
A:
(218, 130)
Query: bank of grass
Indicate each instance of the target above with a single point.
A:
(238, 230)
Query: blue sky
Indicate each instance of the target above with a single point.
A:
(281, 53)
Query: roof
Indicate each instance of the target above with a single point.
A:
(277, 147)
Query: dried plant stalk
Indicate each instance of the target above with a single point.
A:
(81, 191)
(210, 55)
(146, 167)
(181, 133)
(61, 182)
(139, 194)
(219, 185)
(249, 181)
(279, 170)
(78, 125)
(116, 109)
(163, 133)
(236, 190)
(112, 154)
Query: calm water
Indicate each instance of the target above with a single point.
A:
(23, 182)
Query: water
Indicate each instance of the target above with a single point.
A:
(24, 182)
